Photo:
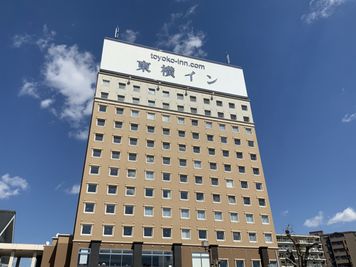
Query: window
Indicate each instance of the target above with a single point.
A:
(133, 141)
(182, 163)
(252, 237)
(223, 139)
(223, 263)
(196, 149)
(100, 122)
(219, 103)
(166, 212)
(206, 101)
(259, 186)
(136, 88)
(193, 98)
(180, 120)
(128, 209)
(235, 129)
(184, 214)
(218, 216)
(120, 98)
(166, 146)
(202, 234)
(165, 118)
(147, 231)
(113, 171)
(165, 93)
(127, 231)
(247, 201)
(265, 219)
(165, 105)
(99, 137)
(248, 130)
(214, 181)
(195, 135)
(118, 124)
(135, 113)
(225, 153)
(150, 129)
(83, 256)
(111, 189)
(115, 154)
(149, 175)
(250, 143)
(91, 188)
(229, 183)
(239, 155)
(197, 164)
(94, 169)
(166, 131)
(150, 143)
(183, 178)
(151, 91)
(199, 196)
(180, 96)
(151, 103)
(246, 119)
(231, 199)
(207, 112)
(151, 116)
(208, 125)
(166, 176)
(133, 127)
(220, 235)
(244, 107)
(244, 184)
(233, 117)
(222, 127)
(132, 156)
(181, 147)
(234, 217)
(119, 111)
(166, 160)
(96, 153)
(102, 108)
(135, 100)
(194, 110)
(181, 133)
(116, 139)
(131, 173)
(148, 211)
(130, 191)
(236, 236)
(104, 95)
(211, 151)
(149, 192)
(201, 215)
(213, 166)
(231, 105)
(110, 208)
(268, 237)
(122, 86)
(227, 167)
(242, 169)
(185, 233)
(86, 229)
(221, 114)
(256, 263)
(256, 171)
(210, 137)
(89, 207)
(249, 218)
(216, 198)
(253, 157)
(239, 263)
(198, 179)
(180, 108)
(262, 202)
(237, 141)
(166, 232)
(194, 122)
(184, 195)
(166, 194)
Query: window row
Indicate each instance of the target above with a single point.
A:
(166, 233)
(167, 212)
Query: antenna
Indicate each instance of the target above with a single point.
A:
(227, 58)
(117, 30)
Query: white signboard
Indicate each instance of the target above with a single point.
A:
(168, 67)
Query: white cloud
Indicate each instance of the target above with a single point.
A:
(20, 39)
(29, 88)
(46, 103)
(347, 215)
(349, 117)
(179, 35)
(285, 212)
(129, 35)
(74, 190)
(315, 221)
(319, 9)
(11, 186)
(66, 81)
(41, 41)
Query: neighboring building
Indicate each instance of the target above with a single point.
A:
(286, 247)
(7, 226)
(172, 174)
(339, 248)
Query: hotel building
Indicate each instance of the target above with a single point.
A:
(172, 174)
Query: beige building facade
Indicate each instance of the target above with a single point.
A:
(172, 173)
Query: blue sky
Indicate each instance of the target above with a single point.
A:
(299, 62)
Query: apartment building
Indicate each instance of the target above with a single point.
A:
(172, 174)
